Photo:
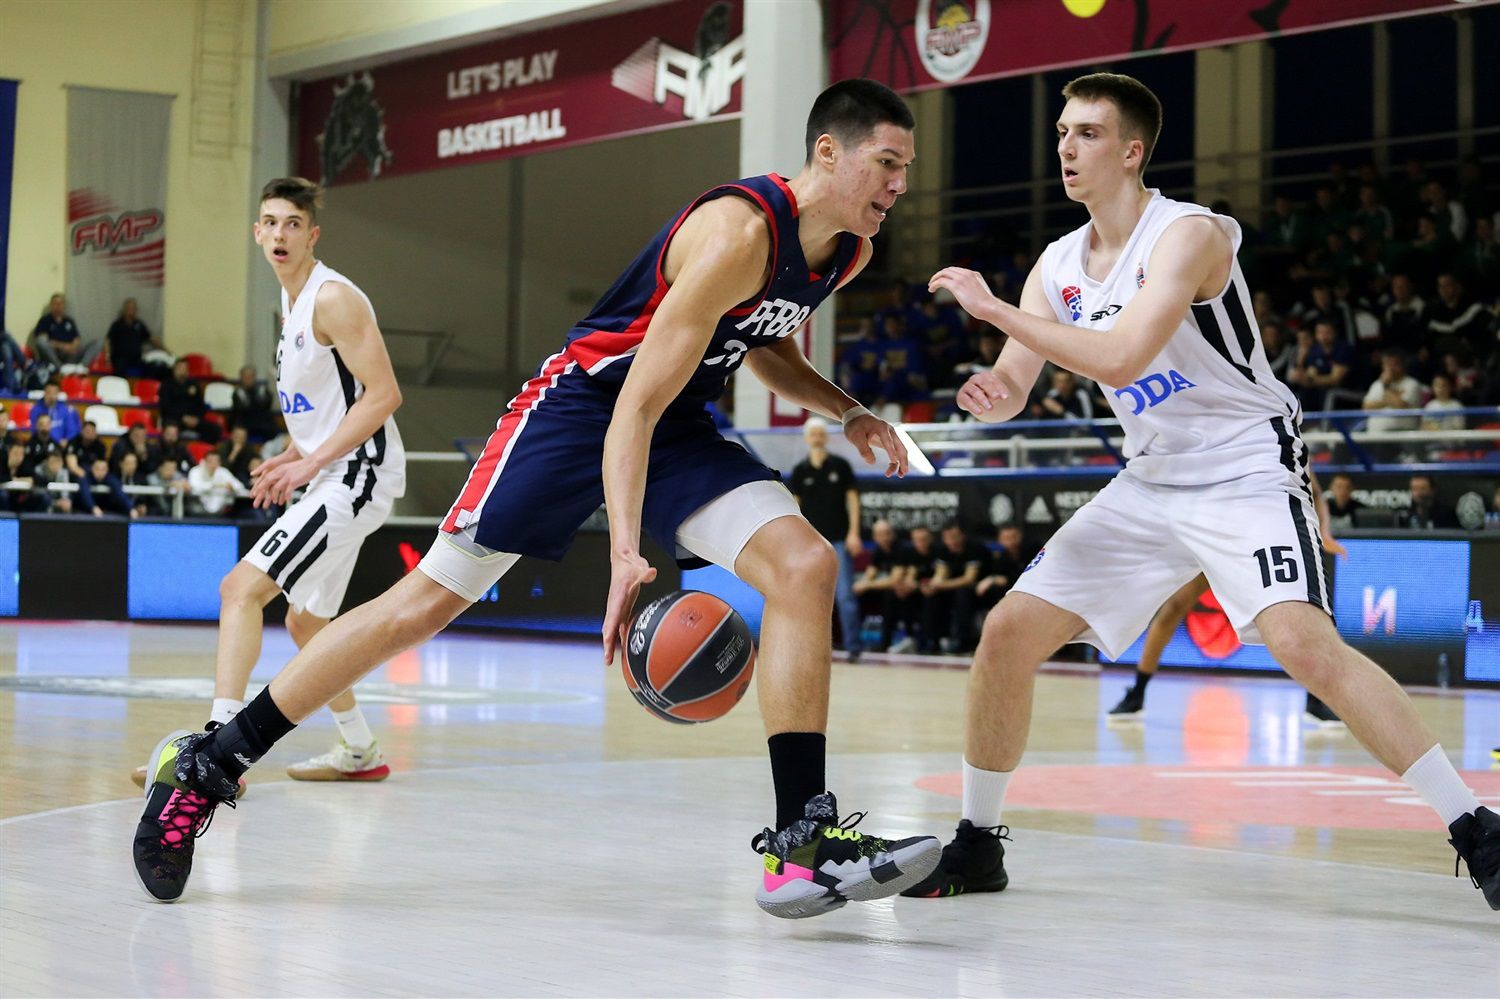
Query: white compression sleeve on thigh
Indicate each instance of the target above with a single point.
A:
(984, 795)
(224, 709)
(352, 728)
(1434, 778)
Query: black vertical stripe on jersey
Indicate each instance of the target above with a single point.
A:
(346, 379)
(352, 475)
(295, 546)
(291, 581)
(369, 491)
(1311, 568)
(378, 441)
(1285, 439)
(1240, 320)
(1208, 325)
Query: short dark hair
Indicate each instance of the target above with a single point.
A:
(307, 196)
(1140, 111)
(1423, 475)
(851, 109)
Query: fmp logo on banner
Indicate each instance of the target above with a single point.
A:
(951, 36)
(703, 78)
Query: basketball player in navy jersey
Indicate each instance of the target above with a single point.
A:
(1147, 299)
(617, 415)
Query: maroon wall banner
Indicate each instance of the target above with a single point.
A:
(920, 44)
(661, 67)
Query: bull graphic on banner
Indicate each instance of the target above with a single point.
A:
(704, 79)
(355, 127)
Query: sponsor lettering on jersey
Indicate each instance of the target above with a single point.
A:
(1072, 297)
(778, 318)
(1153, 390)
(295, 403)
(1103, 313)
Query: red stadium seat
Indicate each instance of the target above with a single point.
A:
(130, 417)
(148, 390)
(919, 412)
(78, 387)
(198, 449)
(100, 366)
(199, 365)
(217, 419)
(20, 415)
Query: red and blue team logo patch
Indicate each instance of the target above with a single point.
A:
(1073, 298)
(1140, 275)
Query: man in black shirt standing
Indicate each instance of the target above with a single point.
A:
(824, 486)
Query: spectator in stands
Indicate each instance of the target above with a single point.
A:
(255, 409)
(100, 492)
(1327, 216)
(171, 450)
(84, 449)
(1439, 411)
(1406, 316)
(42, 443)
(1426, 512)
(1007, 562)
(1320, 379)
(879, 578)
(236, 451)
(19, 479)
(9, 435)
(1265, 308)
(53, 471)
(950, 593)
(134, 440)
(1323, 307)
(1458, 365)
(945, 341)
(1478, 263)
(987, 352)
(212, 489)
(1065, 400)
(1279, 353)
(12, 365)
(56, 338)
(828, 496)
(1343, 508)
(174, 482)
(1394, 389)
(919, 562)
(1288, 229)
(130, 474)
(1448, 215)
(1373, 217)
(65, 424)
(1456, 319)
(182, 403)
(1429, 254)
(126, 344)
(902, 363)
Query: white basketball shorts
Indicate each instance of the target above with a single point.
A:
(1115, 562)
(310, 550)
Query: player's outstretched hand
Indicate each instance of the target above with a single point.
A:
(971, 291)
(1331, 545)
(627, 574)
(867, 432)
(979, 395)
(275, 487)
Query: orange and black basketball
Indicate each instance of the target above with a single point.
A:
(688, 657)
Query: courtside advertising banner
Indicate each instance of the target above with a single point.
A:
(920, 44)
(117, 205)
(662, 67)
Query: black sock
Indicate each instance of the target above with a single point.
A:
(249, 735)
(1141, 679)
(797, 771)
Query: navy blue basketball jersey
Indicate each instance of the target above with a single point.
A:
(604, 343)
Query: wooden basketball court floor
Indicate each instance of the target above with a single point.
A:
(543, 836)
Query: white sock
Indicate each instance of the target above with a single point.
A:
(225, 708)
(1434, 778)
(352, 728)
(984, 795)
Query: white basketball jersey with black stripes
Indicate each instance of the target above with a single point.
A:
(316, 389)
(1202, 411)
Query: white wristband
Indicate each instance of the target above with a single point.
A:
(854, 413)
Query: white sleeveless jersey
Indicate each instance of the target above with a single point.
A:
(315, 387)
(1208, 407)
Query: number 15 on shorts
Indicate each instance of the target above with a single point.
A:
(1277, 565)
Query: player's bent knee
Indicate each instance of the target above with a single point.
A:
(812, 568)
(245, 584)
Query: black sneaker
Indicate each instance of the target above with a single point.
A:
(185, 789)
(1321, 714)
(816, 865)
(1132, 705)
(974, 861)
(1477, 839)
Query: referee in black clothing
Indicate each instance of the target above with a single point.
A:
(824, 486)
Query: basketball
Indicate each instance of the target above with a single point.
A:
(688, 657)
